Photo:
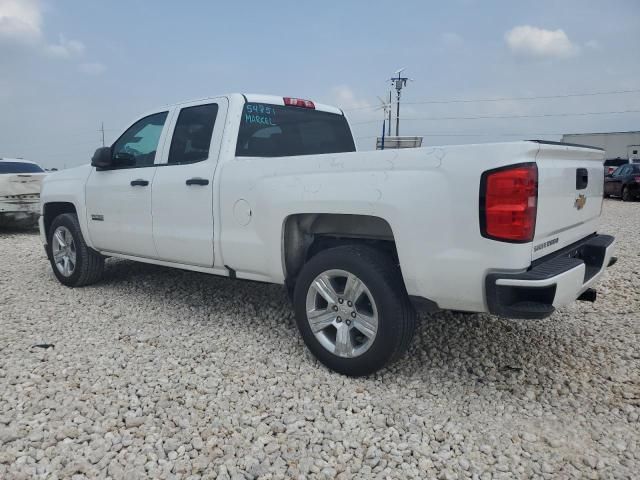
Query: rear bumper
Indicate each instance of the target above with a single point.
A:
(550, 282)
(27, 204)
(19, 210)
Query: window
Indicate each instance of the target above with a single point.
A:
(137, 146)
(621, 171)
(614, 162)
(279, 131)
(634, 169)
(19, 167)
(192, 135)
(635, 152)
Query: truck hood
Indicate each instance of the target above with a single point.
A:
(76, 173)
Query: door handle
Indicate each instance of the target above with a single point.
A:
(139, 183)
(197, 181)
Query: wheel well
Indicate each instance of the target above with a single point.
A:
(52, 210)
(307, 234)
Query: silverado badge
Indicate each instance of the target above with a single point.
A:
(580, 202)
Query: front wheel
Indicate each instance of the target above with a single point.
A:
(352, 309)
(74, 263)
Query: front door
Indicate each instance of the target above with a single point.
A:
(183, 191)
(119, 199)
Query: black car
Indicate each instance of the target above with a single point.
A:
(623, 182)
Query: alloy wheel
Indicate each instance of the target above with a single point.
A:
(342, 313)
(63, 249)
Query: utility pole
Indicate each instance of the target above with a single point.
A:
(102, 130)
(389, 124)
(398, 82)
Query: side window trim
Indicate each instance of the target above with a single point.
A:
(170, 137)
(216, 137)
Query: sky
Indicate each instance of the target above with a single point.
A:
(67, 66)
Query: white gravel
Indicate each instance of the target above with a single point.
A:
(167, 374)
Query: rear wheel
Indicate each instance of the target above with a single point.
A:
(626, 195)
(352, 309)
(74, 263)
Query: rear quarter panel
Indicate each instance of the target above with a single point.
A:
(429, 197)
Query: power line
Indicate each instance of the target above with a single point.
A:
(483, 117)
(506, 99)
(523, 135)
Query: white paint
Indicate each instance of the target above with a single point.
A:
(429, 197)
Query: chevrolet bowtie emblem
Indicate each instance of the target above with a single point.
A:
(580, 202)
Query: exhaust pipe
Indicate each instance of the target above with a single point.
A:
(589, 295)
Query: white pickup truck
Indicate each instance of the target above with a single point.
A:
(271, 189)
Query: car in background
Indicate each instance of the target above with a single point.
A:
(624, 182)
(20, 184)
(611, 164)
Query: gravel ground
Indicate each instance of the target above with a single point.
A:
(168, 374)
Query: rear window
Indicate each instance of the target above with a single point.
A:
(615, 162)
(279, 131)
(19, 167)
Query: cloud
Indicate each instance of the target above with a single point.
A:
(65, 49)
(20, 21)
(528, 41)
(92, 68)
(593, 44)
(343, 97)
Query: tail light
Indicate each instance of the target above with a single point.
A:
(636, 178)
(298, 102)
(508, 203)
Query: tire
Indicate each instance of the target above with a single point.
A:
(383, 298)
(88, 264)
(626, 195)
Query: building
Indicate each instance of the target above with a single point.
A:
(624, 145)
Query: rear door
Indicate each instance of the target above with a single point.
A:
(570, 189)
(119, 199)
(619, 178)
(183, 195)
(609, 182)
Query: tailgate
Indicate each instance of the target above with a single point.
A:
(570, 184)
(20, 184)
(20, 191)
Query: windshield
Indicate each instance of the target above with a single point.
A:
(279, 131)
(19, 167)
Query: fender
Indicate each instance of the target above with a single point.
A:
(68, 186)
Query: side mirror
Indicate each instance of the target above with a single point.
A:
(102, 158)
